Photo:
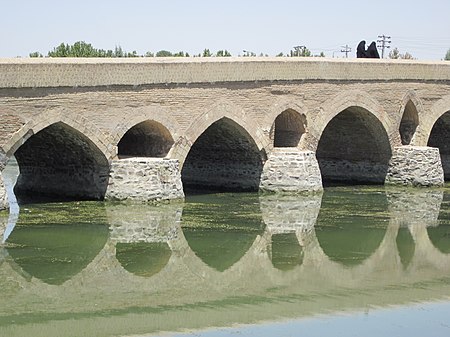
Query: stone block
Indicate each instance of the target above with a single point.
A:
(144, 179)
(3, 195)
(291, 170)
(415, 166)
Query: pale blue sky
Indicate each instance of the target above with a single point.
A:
(420, 27)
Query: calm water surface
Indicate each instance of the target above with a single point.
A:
(353, 261)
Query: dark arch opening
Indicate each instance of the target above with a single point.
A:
(440, 138)
(288, 129)
(60, 163)
(146, 139)
(409, 123)
(223, 158)
(353, 149)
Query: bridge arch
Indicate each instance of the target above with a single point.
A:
(224, 151)
(435, 132)
(286, 124)
(410, 110)
(146, 131)
(353, 144)
(58, 159)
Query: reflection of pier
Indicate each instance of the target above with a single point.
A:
(287, 282)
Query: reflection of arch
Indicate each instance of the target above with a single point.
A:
(350, 240)
(288, 129)
(354, 147)
(53, 249)
(223, 233)
(146, 139)
(285, 251)
(411, 105)
(224, 157)
(143, 258)
(61, 162)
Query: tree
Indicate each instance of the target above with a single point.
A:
(223, 53)
(206, 53)
(300, 51)
(36, 54)
(164, 53)
(395, 54)
(447, 56)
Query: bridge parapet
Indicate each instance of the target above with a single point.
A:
(91, 72)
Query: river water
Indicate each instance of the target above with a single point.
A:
(353, 261)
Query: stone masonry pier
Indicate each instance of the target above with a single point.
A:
(152, 128)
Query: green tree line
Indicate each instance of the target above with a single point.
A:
(83, 49)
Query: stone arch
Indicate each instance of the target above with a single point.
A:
(58, 161)
(279, 107)
(288, 129)
(155, 118)
(409, 110)
(427, 123)
(440, 138)
(343, 101)
(224, 155)
(354, 146)
(77, 122)
(146, 139)
(223, 109)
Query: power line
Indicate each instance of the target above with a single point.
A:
(346, 50)
(384, 40)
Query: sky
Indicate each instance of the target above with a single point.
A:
(421, 28)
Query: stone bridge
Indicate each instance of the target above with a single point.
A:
(150, 129)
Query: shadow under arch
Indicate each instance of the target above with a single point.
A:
(146, 139)
(288, 128)
(221, 228)
(410, 111)
(55, 242)
(354, 147)
(223, 157)
(60, 163)
(440, 138)
(351, 226)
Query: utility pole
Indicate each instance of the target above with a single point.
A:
(384, 43)
(346, 50)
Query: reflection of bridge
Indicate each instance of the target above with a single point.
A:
(269, 283)
(77, 126)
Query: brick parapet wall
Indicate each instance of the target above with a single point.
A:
(88, 72)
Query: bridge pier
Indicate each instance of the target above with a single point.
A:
(144, 179)
(291, 170)
(415, 166)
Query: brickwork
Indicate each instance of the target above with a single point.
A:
(104, 99)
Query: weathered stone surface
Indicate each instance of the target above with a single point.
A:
(291, 170)
(415, 166)
(3, 195)
(144, 179)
